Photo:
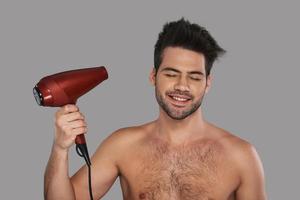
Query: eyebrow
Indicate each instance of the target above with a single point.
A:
(176, 70)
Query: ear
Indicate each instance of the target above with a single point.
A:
(152, 76)
(208, 83)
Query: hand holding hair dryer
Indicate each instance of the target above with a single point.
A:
(65, 88)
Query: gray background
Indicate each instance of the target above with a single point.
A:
(255, 91)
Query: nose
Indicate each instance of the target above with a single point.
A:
(182, 84)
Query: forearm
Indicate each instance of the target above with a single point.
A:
(57, 184)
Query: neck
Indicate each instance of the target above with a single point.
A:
(180, 131)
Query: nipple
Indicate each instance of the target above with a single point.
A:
(142, 195)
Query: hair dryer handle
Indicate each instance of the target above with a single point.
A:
(80, 139)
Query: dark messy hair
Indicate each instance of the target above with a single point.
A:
(193, 37)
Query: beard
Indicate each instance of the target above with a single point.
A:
(178, 114)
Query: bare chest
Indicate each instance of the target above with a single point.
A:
(186, 173)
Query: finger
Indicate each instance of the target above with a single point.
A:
(78, 131)
(73, 116)
(77, 124)
(69, 108)
(66, 109)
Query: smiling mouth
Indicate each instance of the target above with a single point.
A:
(178, 100)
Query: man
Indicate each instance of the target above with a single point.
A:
(179, 156)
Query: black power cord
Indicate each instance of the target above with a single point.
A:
(90, 182)
(81, 150)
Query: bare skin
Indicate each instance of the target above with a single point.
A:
(176, 157)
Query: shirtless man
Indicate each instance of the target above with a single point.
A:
(179, 156)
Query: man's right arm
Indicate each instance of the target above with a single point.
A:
(57, 184)
(69, 123)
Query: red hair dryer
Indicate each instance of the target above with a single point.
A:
(65, 88)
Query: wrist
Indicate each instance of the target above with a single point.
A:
(59, 150)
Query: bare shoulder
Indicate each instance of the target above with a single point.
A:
(128, 135)
(122, 139)
(238, 147)
(245, 158)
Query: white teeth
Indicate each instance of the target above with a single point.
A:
(179, 99)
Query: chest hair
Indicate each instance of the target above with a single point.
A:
(185, 172)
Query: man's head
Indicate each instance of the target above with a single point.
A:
(184, 54)
(183, 34)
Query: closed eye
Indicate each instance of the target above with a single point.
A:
(196, 79)
(170, 75)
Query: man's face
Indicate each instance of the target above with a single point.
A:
(180, 82)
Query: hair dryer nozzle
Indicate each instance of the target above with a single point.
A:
(38, 96)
